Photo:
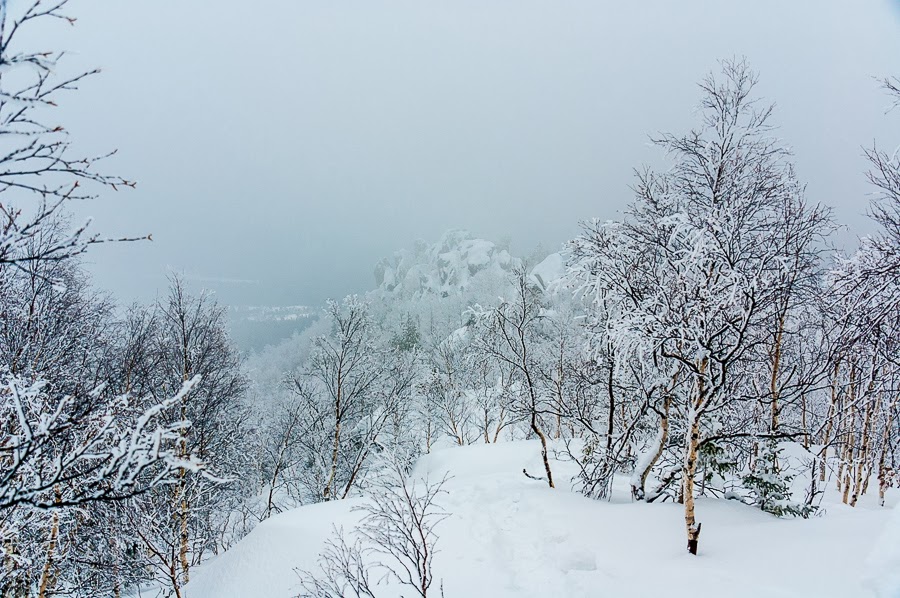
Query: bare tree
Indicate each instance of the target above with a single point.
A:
(468, 398)
(39, 172)
(884, 175)
(344, 571)
(864, 305)
(396, 537)
(350, 392)
(892, 86)
(281, 458)
(513, 335)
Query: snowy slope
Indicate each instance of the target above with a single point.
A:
(262, 564)
(509, 536)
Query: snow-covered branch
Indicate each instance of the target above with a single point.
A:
(58, 451)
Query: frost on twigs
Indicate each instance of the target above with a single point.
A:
(892, 86)
(40, 171)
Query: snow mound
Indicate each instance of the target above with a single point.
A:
(463, 463)
(263, 563)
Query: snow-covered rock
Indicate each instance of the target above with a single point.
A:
(549, 272)
(449, 267)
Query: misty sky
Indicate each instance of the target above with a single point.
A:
(282, 147)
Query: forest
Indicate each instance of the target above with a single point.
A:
(711, 346)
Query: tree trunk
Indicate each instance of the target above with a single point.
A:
(691, 458)
(850, 442)
(639, 492)
(864, 470)
(176, 587)
(612, 409)
(774, 390)
(534, 422)
(846, 467)
(185, 537)
(270, 502)
(335, 449)
(500, 424)
(47, 577)
(690, 469)
(884, 473)
(536, 429)
(182, 504)
(861, 458)
(830, 416)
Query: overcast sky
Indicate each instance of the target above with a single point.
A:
(282, 147)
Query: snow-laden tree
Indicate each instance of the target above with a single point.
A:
(62, 452)
(861, 426)
(687, 284)
(467, 398)
(884, 175)
(72, 437)
(616, 271)
(183, 338)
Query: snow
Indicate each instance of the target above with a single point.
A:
(509, 536)
(262, 564)
(550, 271)
(645, 459)
(883, 566)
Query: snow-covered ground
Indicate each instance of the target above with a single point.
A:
(509, 536)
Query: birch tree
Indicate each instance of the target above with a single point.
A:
(348, 392)
(703, 247)
(513, 335)
(181, 524)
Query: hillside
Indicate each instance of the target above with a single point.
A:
(255, 327)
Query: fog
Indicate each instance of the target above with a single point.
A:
(281, 148)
